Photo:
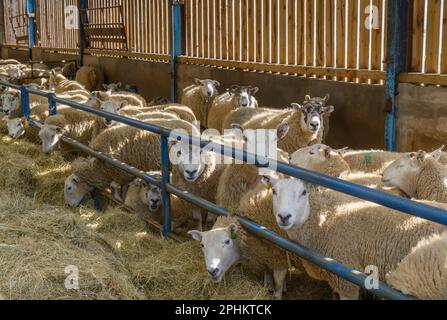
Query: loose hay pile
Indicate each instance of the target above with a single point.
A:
(116, 256)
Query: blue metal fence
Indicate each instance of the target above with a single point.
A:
(354, 276)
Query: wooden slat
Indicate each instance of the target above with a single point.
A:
(417, 35)
(432, 44)
(444, 42)
(341, 33)
(299, 38)
(279, 68)
(320, 43)
(309, 32)
(329, 41)
(421, 78)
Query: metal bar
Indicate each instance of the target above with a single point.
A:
(24, 97)
(176, 48)
(83, 20)
(397, 61)
(31, 5)
(52, 105)
(165, 181)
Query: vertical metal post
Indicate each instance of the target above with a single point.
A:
(31, 8)
(52, 105)
(83, 19)
(397, 62)
(176, 43)
(24, 99)
(165, 181)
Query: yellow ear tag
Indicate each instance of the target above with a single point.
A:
(269, 185)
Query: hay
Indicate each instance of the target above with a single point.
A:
(117, 257)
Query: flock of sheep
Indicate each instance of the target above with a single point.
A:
(409, 253)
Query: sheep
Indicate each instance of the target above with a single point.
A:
(91, 78)
(138, 148)
(236, 97)
(61, 84)
(238, 179)
(297, 127)
(228, 243)
(9, 61)
(182, 111)
(198, 172)
(132, 99)
(112, 87)
(351, 231)
(199, 98)
(419, 175)
(158, 101)
(423, 273)
(18, 127)
(76, 124)
(370, 160)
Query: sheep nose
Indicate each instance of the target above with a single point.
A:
(314, 125)
(213, 272)
(284, 217)
(191, 173)
(155, 201)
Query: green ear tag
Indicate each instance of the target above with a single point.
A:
(269, 185)
(233, 235)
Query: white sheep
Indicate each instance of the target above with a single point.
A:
(419, 175)
(423, 273)
(138, 148)
(76, 124)
(132, 99)
(236, 97)
(91, 78)
(60, 84)
(356, 233)
(298, 127)
(199, 98)
(228, 243)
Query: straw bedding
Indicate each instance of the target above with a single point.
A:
(117, 257)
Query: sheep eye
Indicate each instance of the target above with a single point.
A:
(227, 242)
(202, 245)
(304, 193)
(274, 192)
(179, 153)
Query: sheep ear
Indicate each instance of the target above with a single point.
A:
(296, 106)
(198, 81)
(196, 235)
(59, 130)
(282, 130)
(327, 152)
(342, 151)
(254, 90)
(119, 84)
(106, 87)
(233, 89)
(327, 110)
(268, 181)
(216, 83)
(437, 154)
(237, 129)
(327, 97)
(307, 98)
(123, 103)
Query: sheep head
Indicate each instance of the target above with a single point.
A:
(208, 87)
(16, 127)
(291, 205)
(75, 190)
(10, 102)
(403, 172)
(243, 96)
(112, 107)
(50, 136)
(221, 249)
(313, 110)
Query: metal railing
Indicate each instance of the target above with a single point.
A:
(381, 198)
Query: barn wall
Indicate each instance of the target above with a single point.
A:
(422, 117)
(359, 118)
(358, 121)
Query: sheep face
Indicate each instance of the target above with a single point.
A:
(15, 73)
(113, 87)
(93, 102)
(75, 191)
(112, 107)
(403, 172)
(313, 157)
(220, 248)
(208, 87)
(190, 161)
(50, 136)
(290, 201)
(10, 102)
(243, 96)
(153, 198)
(313, 110)
(16, 127)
